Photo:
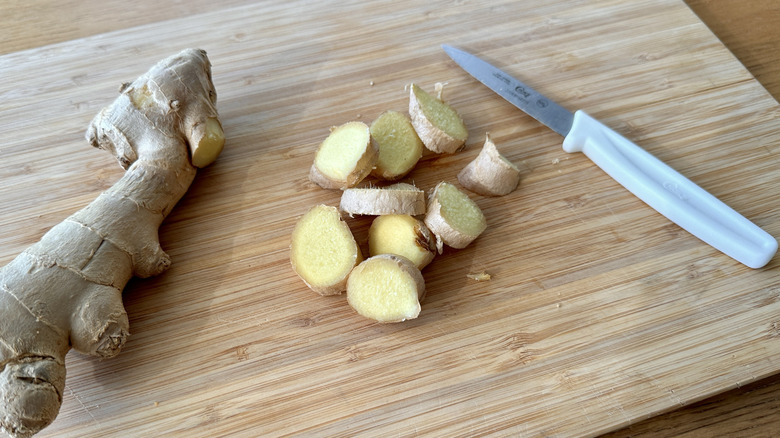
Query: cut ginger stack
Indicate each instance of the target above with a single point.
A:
(405, 234)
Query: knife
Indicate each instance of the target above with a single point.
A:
(652, 181)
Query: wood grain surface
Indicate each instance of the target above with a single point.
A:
(600, 314)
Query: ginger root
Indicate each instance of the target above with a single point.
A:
(386, 288)
(66, 290)
(403, 235)
(399, 198)
(323, 250)
(399, 146)
(490, 174)
(437, 124)
(345, 157)
(453, 217)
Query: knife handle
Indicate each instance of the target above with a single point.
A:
(670, 193)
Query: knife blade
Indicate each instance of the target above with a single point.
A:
(661, 187)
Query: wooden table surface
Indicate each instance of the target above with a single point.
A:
(750, 29)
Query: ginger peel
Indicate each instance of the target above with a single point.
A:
(66, 290)
(490, 173)
(399, 198)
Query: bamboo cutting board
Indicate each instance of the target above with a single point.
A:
(599, 312)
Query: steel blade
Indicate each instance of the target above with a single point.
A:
(533, 103)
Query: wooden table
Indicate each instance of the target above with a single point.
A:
(750, 29)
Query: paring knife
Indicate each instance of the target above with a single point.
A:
(652, 181)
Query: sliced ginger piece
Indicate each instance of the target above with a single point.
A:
(437, 124)
(453, 217)
(403, 235)
(323, 250)
(345, 157)
(490, 174)
(386, 288)
(399, 146)
(399, 198)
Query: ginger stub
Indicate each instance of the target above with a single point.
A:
(403, 235)
(323, 250)
(209, 140)
(453, 217)
(399, 146)
(399, 198)
(386, 288)
(437, 124)
(345, 157)
(490, 173)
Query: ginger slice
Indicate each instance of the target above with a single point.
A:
(490, 174)
(403, 235)
(399, 146)
(437, 124)
(453, 217)
(386, 288)
(345, 157)
(399, 198)
(323, 250)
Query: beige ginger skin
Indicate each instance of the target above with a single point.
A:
(66, 290)
(490, 173)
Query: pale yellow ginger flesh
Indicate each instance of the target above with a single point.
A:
(399, 198)
(490, 173)
(209, 143)
(403, 235)
(399, 146)
(437, 124)
(345, 157)
(386, 288)
(66, 290)
(453, 217)
(323, 250)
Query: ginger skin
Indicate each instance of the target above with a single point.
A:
(399, 198)
(490, 174)
(66, 290)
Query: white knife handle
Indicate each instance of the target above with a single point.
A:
(670, 193)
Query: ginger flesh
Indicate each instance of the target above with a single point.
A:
(403, 235)
(209, 144)
(460, 211)
(437, 123)
(386, 288)
(323, 250)
(345, 157)
(453, 217)
(66, 290)
(399, 146)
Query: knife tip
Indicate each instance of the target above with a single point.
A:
(449, 49)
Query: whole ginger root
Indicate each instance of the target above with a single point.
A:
(66, 290)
